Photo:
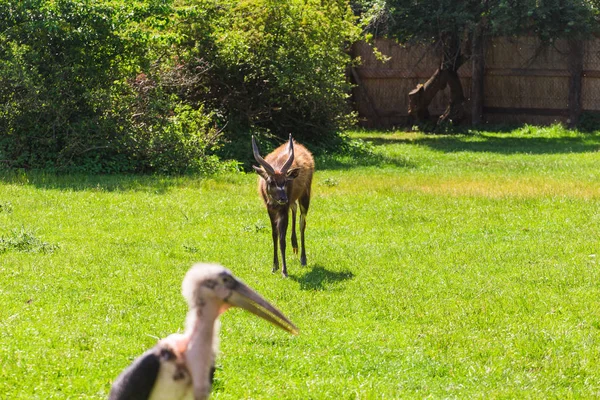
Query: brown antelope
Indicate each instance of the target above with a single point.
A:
(284, 183)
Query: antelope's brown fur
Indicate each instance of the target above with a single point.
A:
(303, 160)
(297, 180)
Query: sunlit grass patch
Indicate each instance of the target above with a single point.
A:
(493, 186)
(507, 187)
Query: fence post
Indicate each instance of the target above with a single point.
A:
(478, 69)
(576, 73)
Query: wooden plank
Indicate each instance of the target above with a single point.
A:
(591, 74)
(395, 73)
(548, 72)
(392, 73)
(513, 75)
(477, 73)
(364, 93)
(575, 80)
(529, 111)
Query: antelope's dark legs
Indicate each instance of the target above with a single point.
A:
(294, 207)
(282, 224)
(302, 227)
(274, 233)
(304, 203)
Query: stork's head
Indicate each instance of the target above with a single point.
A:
(213, 286)
(211, 289)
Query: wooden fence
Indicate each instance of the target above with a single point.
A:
(523, 81)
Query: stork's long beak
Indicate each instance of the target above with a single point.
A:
(244, 297)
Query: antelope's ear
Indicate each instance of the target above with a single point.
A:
(261, 172)
(293, 173)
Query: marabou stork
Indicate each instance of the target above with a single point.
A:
(181, 366)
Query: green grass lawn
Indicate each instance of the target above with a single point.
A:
(438, 266)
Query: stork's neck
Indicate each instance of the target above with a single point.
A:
(199, 353)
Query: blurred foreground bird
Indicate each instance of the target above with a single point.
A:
(181, 366)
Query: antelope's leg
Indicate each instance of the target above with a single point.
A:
(274, 233)
(304, 203)
(294, 207)
(282, 224)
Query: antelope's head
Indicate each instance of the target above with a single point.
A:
(277, 176)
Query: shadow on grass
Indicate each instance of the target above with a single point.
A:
(501, 145)
(319, 278)
(342, 162)
(100, 183)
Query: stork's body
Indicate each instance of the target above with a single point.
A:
(181, 366)
(157, 374)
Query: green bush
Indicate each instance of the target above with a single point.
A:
(58, 62)
(149, 86)
(69, 101)
(275, 67)
(162, 132)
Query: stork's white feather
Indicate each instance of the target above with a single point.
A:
(167, 388)
(198, 273)
(216, 341)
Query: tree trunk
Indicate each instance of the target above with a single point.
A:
(455, 112)
(420, 97)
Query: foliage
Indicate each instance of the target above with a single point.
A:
(164, 133)
(429, 20)
(274, 67)
(153, 86)
(58, 59)
(548, 19)
(70, 100)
